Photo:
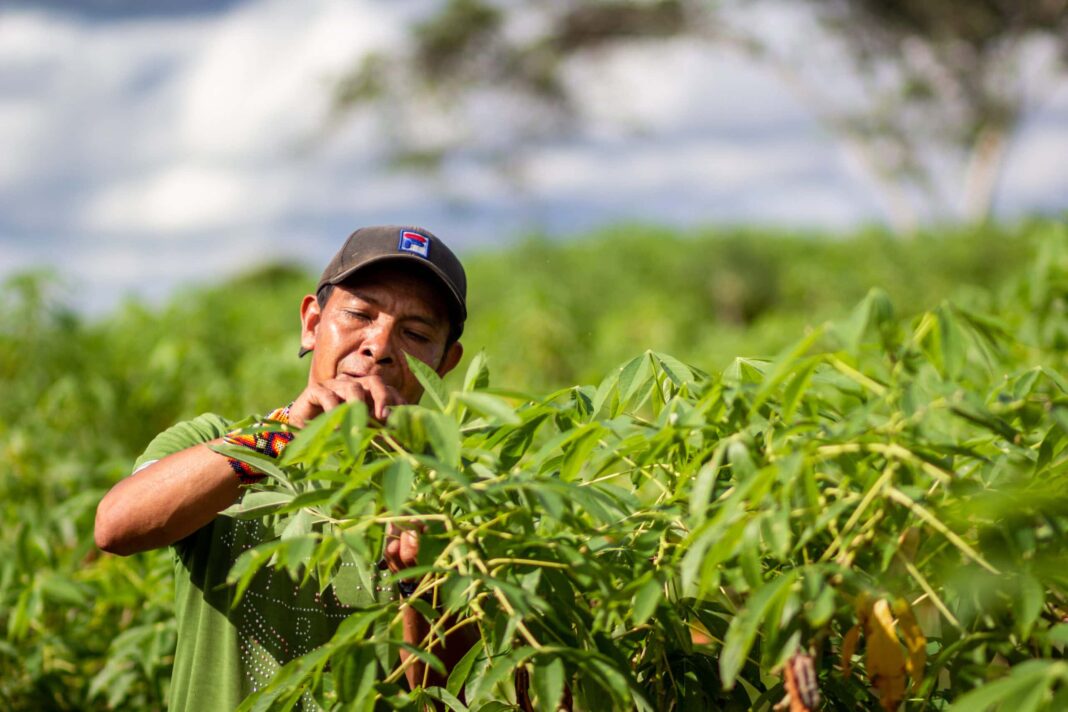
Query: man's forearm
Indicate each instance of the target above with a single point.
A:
(457, 643)
(166, 501)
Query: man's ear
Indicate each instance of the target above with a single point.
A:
(309, 321)
(452, 356)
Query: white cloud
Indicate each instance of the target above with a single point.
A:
(18, 125)
(665, 86)
(705, 163)
(1030, 177)
(180, 198)
(263, 78)
(32, 40)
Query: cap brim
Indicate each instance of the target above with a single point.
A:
(457, 299)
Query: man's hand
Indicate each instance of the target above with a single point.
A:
(402, 552)
(321, 397)
(402, 546)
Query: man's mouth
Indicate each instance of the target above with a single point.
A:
(374, 373)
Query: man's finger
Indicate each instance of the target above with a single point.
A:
(395, 398)
(313, 401)
(402, 546)
(409, 547)
(380, 399)
(375, 394)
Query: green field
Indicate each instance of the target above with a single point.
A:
(878, 457)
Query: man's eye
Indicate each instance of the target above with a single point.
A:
(416, 336)
(362, 316)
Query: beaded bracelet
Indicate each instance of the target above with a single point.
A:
(270, 444)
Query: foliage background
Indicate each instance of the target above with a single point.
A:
(81, 398)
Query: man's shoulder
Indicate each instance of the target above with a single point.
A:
(186, 434)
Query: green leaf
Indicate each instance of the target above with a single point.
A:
(433, 386)
(354, 628)
(313, 439)
(417, 428)
(442, 695)
(248, 564)
(796, 386)
(444, 436)
(1058, 634)
(745, 370)
(257, 504)
(462, 669)
(426, 657)
(397, 484)
(629, 376)
(786, 364)
(295, 552)
(704, 484)
(874, 310)
(951, 342)
(517, 442)
(424, 608)
(495, 706)
(548, 683)
(477, 376)
(635, 380)
(311, 498)
(57, 589)
(741, 461)
(490, 406)
(1032, 700)
(609, 385)
(300, 524)
(499, 667)
(1022, 679)
(1028, 604)
(265, 464)
(577, 453)
(355, 674)
(743, 627)
(820, 607)
(645, 601)
(679, 373)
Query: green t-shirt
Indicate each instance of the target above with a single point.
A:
(224, 652)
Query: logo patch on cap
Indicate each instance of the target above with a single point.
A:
(415, 243)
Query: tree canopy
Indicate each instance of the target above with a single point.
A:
(941, 86)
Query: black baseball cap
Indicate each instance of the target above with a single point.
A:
(397, 243)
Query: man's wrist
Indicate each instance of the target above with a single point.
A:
(269, 443)
(405, 587)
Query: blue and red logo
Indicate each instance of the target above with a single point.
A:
(415, 243)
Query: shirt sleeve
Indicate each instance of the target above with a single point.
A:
(186, 434)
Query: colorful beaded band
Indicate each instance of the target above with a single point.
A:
(270, 444)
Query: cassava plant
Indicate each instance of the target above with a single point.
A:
(876, 517)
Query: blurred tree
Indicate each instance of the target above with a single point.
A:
(943, 77)
(942, 85)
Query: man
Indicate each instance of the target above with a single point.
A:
(389, 291)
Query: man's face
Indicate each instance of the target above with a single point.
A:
(369, 323)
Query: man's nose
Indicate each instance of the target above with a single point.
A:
(378, 345)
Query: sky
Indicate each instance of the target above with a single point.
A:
(149, 145)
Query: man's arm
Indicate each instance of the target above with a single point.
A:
(166, 501)
(402, 552)
(457, 643)
(180, 493)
